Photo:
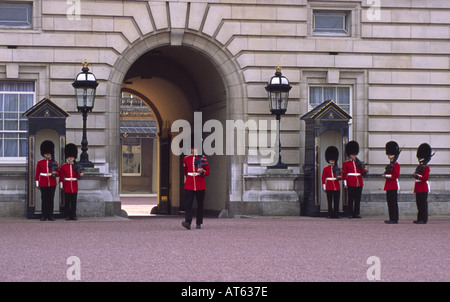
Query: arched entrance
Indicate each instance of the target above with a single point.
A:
(178, 81)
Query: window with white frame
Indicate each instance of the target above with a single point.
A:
(16, 15)
(326, 22)
(15, 99)
(341, 95)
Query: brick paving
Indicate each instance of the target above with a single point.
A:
(257, 249)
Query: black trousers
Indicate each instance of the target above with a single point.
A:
(354, 200)
(70, 209)
(200, 197)
(391, 198)
(47, 197)
(422, 206)
(333, 198)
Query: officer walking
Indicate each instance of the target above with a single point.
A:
(391, 184)
(195, 168)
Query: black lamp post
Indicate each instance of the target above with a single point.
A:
(278, 92)
(85, 88)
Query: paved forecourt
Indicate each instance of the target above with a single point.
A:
(258, 249)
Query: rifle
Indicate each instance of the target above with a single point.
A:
(53, 165)
(420, 168)
(361, 164)
(337, 171)
(390, 166)
(199, 162)
(77, 167)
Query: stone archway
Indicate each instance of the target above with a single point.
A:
(207, 79)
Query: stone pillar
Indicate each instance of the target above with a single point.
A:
(270, 194)
(13, 194)
(94, 197)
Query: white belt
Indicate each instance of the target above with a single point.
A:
(331, 178)
(70, 179)
(194, 174)
(354, 174)
(46, 174)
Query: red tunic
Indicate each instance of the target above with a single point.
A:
(391, 182)
(421, 185)
(329, 179)
(194, 180)
(69, 178)
(43, 175)
(353, 174)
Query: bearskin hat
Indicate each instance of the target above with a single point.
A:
(424, 152)
(71, 150)
(47, 147)
(331, 153)
(392, 148)
(352, 147)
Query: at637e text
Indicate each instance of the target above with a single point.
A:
(230, 291)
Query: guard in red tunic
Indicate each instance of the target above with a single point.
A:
(331, 175)
(422, 186)
(391, 185)
(68, 181)
(354, 170)
(195, 168)
(46, 172)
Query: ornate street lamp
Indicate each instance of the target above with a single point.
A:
(85, 88)
(278, 93)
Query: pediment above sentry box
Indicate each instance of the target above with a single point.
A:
(46, 108)
(327, 111)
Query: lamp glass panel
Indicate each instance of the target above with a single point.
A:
(85, 97)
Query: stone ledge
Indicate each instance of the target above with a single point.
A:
(270, 193)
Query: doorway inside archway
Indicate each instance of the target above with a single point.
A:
(138, 141)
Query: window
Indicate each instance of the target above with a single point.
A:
(15, 99)
(16, 15)
(131, 157)
(331, 22)
(339, 94)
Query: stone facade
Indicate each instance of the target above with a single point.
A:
(394, 58)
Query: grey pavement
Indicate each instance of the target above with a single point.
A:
(254, 249)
